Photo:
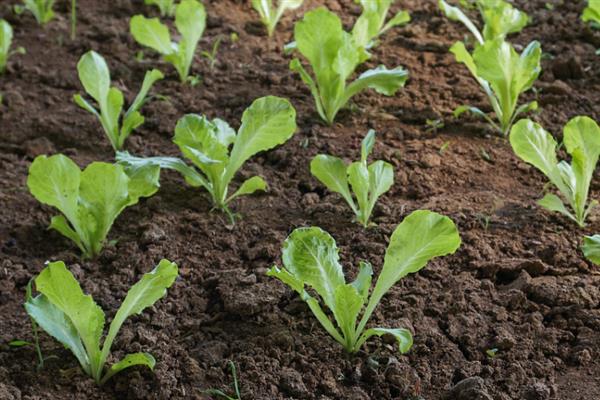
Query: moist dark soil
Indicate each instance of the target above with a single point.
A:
(519, 283)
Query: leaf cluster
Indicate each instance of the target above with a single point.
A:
(95, 78)
(368, 181)
(190, 21)
(89, 200)
(534, 145)
(75, 320)
(334, 55)
(310, 258)
(218, 152)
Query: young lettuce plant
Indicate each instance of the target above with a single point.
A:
(75, 320)
(371, 23)
(591, 248)
(368, 182)
(500, 19)
(592, 13)
(6, 36)
(190, 20)
(334, 55)
(537, 147)
(95, 78)
(89, 201)
(270, 15)
(268, 122)
(503, 75)
(166, 7)
(41, 10)
(310, 258)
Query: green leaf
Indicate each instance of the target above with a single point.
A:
(422, 236)
(190, 20)
(167, 7)
(367, 145)
(143, 182)
(6, 36)
(358, 177)
(63, 292)
(267, 123)
(311, 255)
(537, 147)
(402, 336)
(59, 326)
(456, 14)
(152, 33)
(296, 66)
(591, 248)
(502, 19)
(553, 203)
(331, 171)
(55, 181)
(132, 164)
(130, 360)
(348, 303)
(249, 186)
(284, 276)
(150, 79)
(60, 224)
(143, 294)
(592, 12)
(382, 80)
(381, 179)
(94, 76)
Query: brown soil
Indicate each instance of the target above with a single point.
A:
(518, 284)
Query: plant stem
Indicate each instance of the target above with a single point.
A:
(73, 19)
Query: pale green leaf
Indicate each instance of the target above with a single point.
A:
(249, 186)
(403, 337)
(331, 171)
(591, 248)
(456, 14)
(130, 360)
(152, 33)
(94, 76)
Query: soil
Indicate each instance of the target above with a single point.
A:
(518, 284)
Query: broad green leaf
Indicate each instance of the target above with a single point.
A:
(381, 179)
(501, 20)
(6, 36)
(190, 20)
(537, 147)
(591, 248)
(331, 171)
(401, 18)
(59, 326)
(456, 14)
(583, 133)
(462, 55)
(82, 103)
(553, 203)
(249, 186)
(95, 76)
(130, 360)
(422, 236)
(268, 122)
(55, 181)
(592, 12)
(382, 80)
(311, 255)
(402, 336)
(143, 294)
(143, 182)
(198, 140)
(152, 33)
(60, 224)
(60, 288)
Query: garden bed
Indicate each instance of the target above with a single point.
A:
(518, 284)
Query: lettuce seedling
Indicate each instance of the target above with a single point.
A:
(190, 20)
(268, 122)
(166, 7)
(504, 75)
(41, 10)
(591, 248)
(6, 36)
(89, 201)
(270, 15)
(592, 13)
(95, 78)
(500, 19)
(75, 320)
(537, 147)
(310, 258)
(368, 182)
(371, 23)
(334, 55)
